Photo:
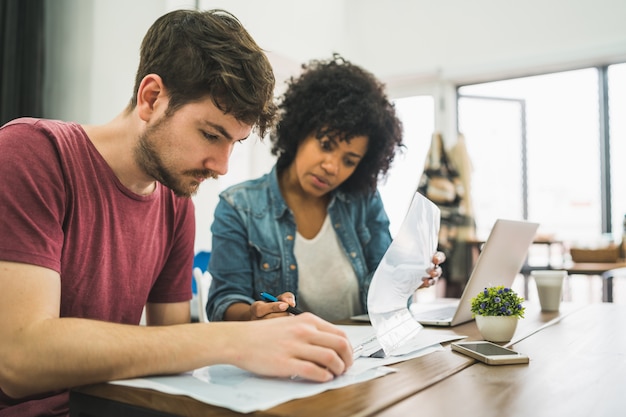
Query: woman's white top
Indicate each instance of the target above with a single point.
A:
(327, 284)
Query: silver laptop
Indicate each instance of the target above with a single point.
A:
(499, 262)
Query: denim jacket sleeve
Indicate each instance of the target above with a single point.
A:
(229, 242)
(378, 223)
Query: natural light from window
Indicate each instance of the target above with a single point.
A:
(418, 119)
(562, 142)
(617, 122)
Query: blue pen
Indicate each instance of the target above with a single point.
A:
(270, 297)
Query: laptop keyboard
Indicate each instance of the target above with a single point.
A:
(443, 313)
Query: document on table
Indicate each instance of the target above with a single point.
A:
(231, 387)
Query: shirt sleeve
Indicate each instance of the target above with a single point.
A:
(378, 224)
(174, 282)
(230, 267)
(32, 191)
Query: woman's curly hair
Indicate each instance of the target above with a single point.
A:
(338, 99)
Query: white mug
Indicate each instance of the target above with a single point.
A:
(549, 287)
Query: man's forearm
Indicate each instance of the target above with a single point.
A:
(50, 355)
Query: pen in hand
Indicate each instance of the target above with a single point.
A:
(271, 298)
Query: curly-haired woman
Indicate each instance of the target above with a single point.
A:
(314, 228)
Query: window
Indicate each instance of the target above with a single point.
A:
(495, 143)
(535, 146)
(617, 132)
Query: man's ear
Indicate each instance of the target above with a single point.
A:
(152, 98)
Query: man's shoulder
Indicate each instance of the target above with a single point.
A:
(34, 128)
(40, 124)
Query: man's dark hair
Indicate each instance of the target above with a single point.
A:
(340, 100)
(209, 53)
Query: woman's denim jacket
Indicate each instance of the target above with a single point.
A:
(253, 240)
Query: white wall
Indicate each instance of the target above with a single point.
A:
(92, 55)
(415, 46)
(409, 44)
(68, 66)
(471, 40)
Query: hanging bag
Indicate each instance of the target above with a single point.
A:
(440, 181)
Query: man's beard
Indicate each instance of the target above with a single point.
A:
(150, 161)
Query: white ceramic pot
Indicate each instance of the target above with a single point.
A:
(497, 328)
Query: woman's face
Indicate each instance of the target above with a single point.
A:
(321, 165)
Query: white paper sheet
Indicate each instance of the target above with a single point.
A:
(400, 273)
(230, 387)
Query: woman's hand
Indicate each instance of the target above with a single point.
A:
(434, 272)
(260, 310)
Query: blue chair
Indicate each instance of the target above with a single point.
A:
(201, 260)
(199, 291)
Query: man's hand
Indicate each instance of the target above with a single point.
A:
(304, 346)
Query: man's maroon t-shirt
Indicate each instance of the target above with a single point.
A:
(63, 208)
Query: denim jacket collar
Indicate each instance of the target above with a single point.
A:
(279, 206)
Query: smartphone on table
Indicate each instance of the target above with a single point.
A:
(489, 352)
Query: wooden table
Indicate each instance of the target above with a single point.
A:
(577, 368)
(416, 376)
(604, 269)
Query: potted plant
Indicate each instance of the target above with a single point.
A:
(497, 310)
